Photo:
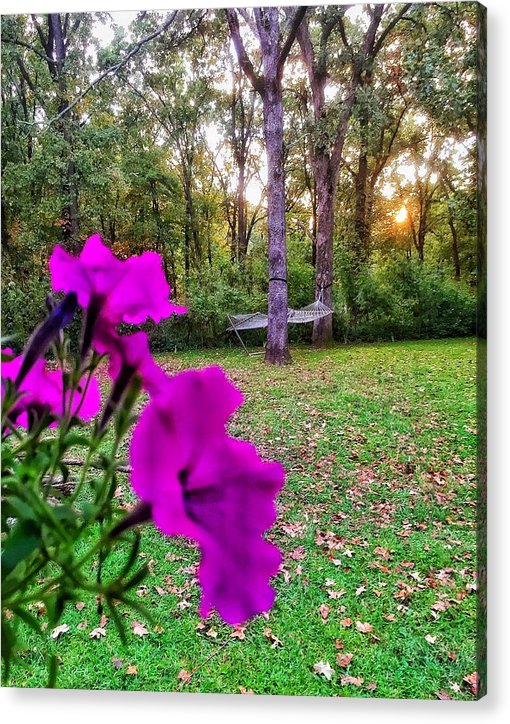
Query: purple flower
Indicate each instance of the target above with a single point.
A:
(42, 391)
(129, 356)
(203, 484)
(119, 291)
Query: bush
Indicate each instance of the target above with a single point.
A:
(22, 307)
(406, 299)
(209, 298)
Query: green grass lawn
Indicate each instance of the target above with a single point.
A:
(376, 523)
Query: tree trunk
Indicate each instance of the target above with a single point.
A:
(191, 239)
(6, 237)
(269, 86)
(70, 211)
(325, 183)
(234, 247)
(361, 246)
(187, 244)
(277, 348)
(455, 246)
(242, 242)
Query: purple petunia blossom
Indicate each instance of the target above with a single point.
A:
(41, 390)
(129, 355)
(120, 291)
(203, 484)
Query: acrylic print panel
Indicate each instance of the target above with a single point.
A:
(243, 370)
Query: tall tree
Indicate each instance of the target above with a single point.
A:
(331, 126)
(58, 39)
(265, 26)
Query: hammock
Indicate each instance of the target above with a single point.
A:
(257, 320)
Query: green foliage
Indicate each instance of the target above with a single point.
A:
(58, 530)
(218, 291)
(22, 305)
(155, 164)
(406, 299)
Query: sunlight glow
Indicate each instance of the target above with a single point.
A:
(402, 215)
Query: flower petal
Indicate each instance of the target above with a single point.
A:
(142, 292)
(130, 290)
(203, 484)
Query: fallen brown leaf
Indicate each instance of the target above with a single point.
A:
(324, 611)
(354, 680)
(184, 676)
(59, 630)
(238, 633)
(344, 659)
(472, 680)
(323, 668)
(97, 633)
(364, 627)
(138, 629)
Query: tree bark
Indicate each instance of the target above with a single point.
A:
(327, 158)
(361, 246)
(455, 245)
(56, 49)
(242, 243)
(269, 86)
(325, 184)
(277, 347)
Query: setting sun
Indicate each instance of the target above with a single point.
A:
(402, 215)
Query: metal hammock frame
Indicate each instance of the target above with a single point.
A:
(257, 320)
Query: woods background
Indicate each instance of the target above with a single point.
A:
(147, 128)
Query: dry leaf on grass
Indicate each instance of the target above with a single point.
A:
(238, 633)
(344, 659)
(354, 680)
(59, 630)
(364, 627)
(324, 611)
(184, 676)
(97, 633)
(472, 680)
(323, 668)
(139, 629)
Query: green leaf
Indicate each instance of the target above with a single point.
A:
(22, 541)
(28, 619)
(17, 508)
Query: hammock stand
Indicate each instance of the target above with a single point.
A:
(257, 320)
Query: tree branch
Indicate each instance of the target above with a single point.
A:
(380, 41)
(22, 44)
(242, 56)
(341, 28)
(118, 66)
(294, 27)
(250, 22)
